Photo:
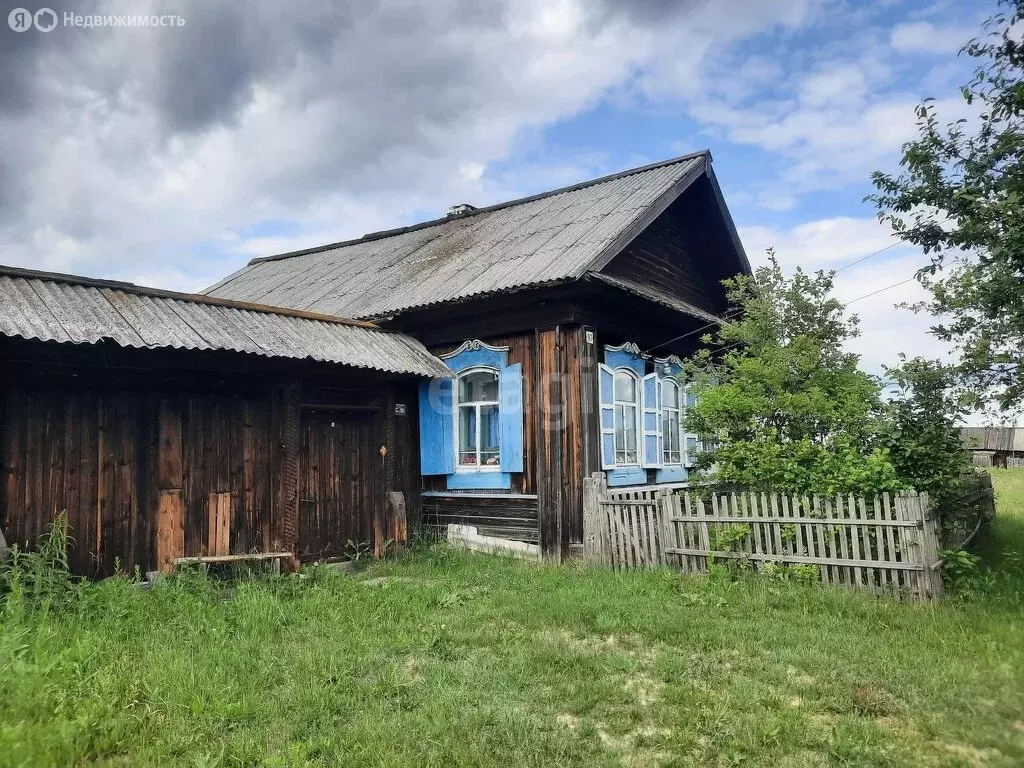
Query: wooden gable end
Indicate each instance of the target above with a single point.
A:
(685, 252)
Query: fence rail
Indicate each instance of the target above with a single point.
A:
(887, 543)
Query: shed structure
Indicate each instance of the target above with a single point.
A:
(170, 425)
(995, 446)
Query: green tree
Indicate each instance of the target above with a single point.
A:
(784, 406)
(920, 431)
(959, 196)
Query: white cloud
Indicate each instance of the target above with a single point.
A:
(823, 243)
(831, 114)
(336, 123)
(927, 38)
(833, 243)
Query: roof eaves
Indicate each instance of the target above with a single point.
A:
(729, 223)
(654, 295)
(395, 312)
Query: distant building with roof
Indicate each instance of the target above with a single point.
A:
(995, 446)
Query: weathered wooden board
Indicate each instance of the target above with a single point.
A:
(885, 544)
(135, 455)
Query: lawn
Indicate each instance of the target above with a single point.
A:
(452, 659)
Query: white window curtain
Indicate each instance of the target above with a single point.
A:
(477, 425)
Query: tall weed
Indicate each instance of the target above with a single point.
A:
(40, 581)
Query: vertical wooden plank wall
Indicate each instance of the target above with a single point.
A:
(549, 387)
(562, 388)
(405, 450)
(286, 466)
(590, 411)
(135, 471)
(170, 541)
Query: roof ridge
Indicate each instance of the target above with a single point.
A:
(486, 209)
(195, 298)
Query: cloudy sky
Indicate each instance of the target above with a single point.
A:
(170, 156)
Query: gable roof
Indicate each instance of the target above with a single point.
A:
(66, 308)
(543, 239)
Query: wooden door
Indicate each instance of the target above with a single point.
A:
(339, 469)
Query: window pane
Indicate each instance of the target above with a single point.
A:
(629, 433)
(625, 387)
(479, 386)
(620, 437)
(467, 436)
(670, 436)
(670, 394)
(489, 435)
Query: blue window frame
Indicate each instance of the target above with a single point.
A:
(680, 448)
(629, 428)
(471, 426)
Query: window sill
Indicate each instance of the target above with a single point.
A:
(672, 473)
(479, 480)
(627, 475)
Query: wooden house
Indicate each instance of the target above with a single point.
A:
(994, 446)
(171, 425)
(561, 317)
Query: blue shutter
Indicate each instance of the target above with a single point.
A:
(510, 434)
(651, 422)
(437, 446)
(606, 397)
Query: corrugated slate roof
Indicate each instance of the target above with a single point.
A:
(67, 308)
(993, 438)
(544, 239)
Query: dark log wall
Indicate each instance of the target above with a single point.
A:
(672, 255)
(139, 457)
(95, 455)
(512, 516)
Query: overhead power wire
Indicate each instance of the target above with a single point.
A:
(733, 312)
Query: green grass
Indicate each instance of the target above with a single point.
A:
(1006, 535)
(457, 659)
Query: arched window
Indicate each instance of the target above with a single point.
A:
(627, 417)
(671, 421)
(476, 425)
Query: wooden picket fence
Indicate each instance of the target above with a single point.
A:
(888, 544)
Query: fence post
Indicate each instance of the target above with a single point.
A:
(930, 546)
(594, 524)
(989, 504)
(667, 506)
(922, 543)
(661, 513)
